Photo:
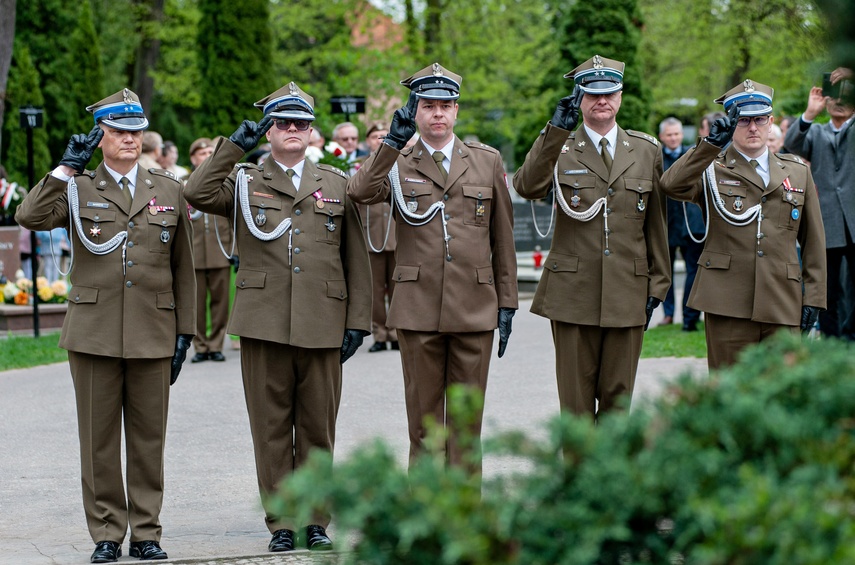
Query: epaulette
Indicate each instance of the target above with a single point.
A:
(164, 173)
(643, 135)
(790, 157)
(90, 174)
(479, 145)
(248, 166)
(407, 150)
(331, 169)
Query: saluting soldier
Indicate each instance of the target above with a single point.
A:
(303, 300)
(758, 205)
(213, 254)
(608, 267)
(130, 316)
(456, 276)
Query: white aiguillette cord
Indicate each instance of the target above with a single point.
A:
(411, 217)
(739, 220)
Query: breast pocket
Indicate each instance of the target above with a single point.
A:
(418, 197)
(792, 207)
(161, 230)
(266, 213)
(733, 198)
(330, 221)
(638, 193)
(99, 225)
(477, 205)
(578, 190)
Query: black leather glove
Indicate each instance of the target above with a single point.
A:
(506, 317)
(247, 135)
(809, 316)
(403, 124)
(721, 130)
(235, 262)
(80, 148)
(351, 342)
(566, 115)
(182, 344)
(652, 304)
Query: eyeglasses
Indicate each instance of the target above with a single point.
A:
(758, 121)
(301, 125)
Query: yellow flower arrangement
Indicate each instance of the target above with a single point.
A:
(20, 291)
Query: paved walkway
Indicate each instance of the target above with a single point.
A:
(211, 512)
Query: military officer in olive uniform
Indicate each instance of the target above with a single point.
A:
(213, 254)
(130, 316)
(303, 299)
(608, 267)
(456, 273)
(759, 205)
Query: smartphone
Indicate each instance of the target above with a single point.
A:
(828, 89)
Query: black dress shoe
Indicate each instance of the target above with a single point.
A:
(147, 550)
(317, 539)
(394, 346)
(106, 552)
(690, 326)
(199, 357)
(283, 540)
(378, 346)
(217, 356)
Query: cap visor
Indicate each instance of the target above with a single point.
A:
(601, 87)
(438, 94)
(127, 124)
(293, 115)
(749, 110)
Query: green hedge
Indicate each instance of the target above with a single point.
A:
(753, 465)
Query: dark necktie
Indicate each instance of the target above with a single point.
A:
(754, 164)
(126, 191)
(438, 158)
(291, 173)
(607, 158)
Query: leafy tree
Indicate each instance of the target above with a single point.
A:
(23, 91)
(234, 42)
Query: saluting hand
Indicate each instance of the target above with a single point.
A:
(721, 130)
(403, 124)
(80, 149)
(566, 115)
(247, 135)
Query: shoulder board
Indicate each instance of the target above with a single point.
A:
(572, 135)
(248, 166)
(790, 157)
(90, 174)
(479, 145)
(331, 169)
(407, 150)
(643, 135)
(164, 173)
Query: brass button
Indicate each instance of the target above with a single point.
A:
(448, 258)
(242, 283)
(130, 224)
(296, 269)
(297, 212)
(611, 191)
(77, 298)
(296, 250)
(297, 231)
(130, 263)
(129, 284)
(707, 263)
(97, 217)
(445, 196)
(130, 244)
(760, 253)
(607, 252)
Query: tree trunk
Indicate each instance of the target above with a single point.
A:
(148, 53)
(7, 38)
(433, 27)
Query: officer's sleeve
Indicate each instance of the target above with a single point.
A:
(534, 179)
(502, 239)
(357, 270)
(183, 273)
(45, 207)
(811, 238)
(684, 179)
(656, 236)
(370, 184)
(211, 187)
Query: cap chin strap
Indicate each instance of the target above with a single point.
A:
(411, 217)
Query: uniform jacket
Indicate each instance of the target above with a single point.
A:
(583, 282)
(461, 292)
(738, 275)
(326, 288)
(136, 314)
(833, 170)
(206, 249)
(375, 218)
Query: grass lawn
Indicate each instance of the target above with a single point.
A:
(21, 351)
(672, 341)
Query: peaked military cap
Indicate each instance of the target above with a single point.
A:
(121, 111)
(752, 98)
(288, 102)
(434, 82)
(598, 75)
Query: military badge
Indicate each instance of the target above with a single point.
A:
(640, 206)
(412, 206)
(164, 235)
(95, 231)
(330, 225)
(795, 214)
(737, 204)
(260, 218)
